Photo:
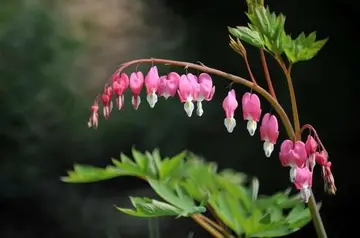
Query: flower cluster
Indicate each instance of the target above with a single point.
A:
(189, 87)
(299, 156)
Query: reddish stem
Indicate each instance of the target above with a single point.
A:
(267, 74)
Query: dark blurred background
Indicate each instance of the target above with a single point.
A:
(56, 55)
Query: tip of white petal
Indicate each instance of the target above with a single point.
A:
(89, 124)
(251, 127)
(189, 108)
(305, 194)
(268, 148)
(292, 174)
(152, 99)
(230, 124)
(199, 109)
(135, 101)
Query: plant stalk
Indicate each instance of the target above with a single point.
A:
(277, 107)
(319, 226)
(202, 222)
(267, 74)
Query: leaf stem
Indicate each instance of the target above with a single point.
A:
(267, 74)
(236, 79)
(202, 222)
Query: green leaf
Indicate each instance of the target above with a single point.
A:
(248, 35)
(128, 165)
(269, 26)
(173, 167)
(146, 207)
(141, 160)
(152, 170)
(274, 232)
(302, 48)
(88, 174)
(178, 199)
(225, 207)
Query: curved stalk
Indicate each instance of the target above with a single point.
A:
(236, 79)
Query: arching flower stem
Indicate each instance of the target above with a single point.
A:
(236, 79)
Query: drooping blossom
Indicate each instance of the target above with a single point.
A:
(311, 147)
(251, 111)
(94, 117)
(136, 84)
(152, 81)
(168, 85)
(292, 154)
(321, 157)
(303, 182)
(329, 182)
(269, 133)
(107, 102)
(230, 104)
(188, 91)
(206, 92)
(119, 85)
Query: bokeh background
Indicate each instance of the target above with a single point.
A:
(56, 55)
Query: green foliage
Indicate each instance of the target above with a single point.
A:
(303, 48)
(186, 179)
(266, 30)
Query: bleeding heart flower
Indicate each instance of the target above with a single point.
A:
(152, 81)
(94, 117)
(321, 157)
(119, 85)
(251, 111)
(269, 133)
(292, 154)
(303, 182)
(136, 84)
(188, 91)
(168, 85)
(206, 91)
(107, 103)
(230, 104)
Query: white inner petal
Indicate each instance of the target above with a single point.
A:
(189, 108)
(268, 148)
(230, 124)
(292, 174)
(251, 127)
(135, 101)
(199, 109)
(305, 194)
(152, 99)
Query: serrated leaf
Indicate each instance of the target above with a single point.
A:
(269, 26)
(182, 201)
(302, 48)
(274, 232)
(89, 174)
(223, 205)
(128, 165)
(157, 158)
(152, 170)
(146, 207)
(172, 167)
(248, 35)
(141, 160)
